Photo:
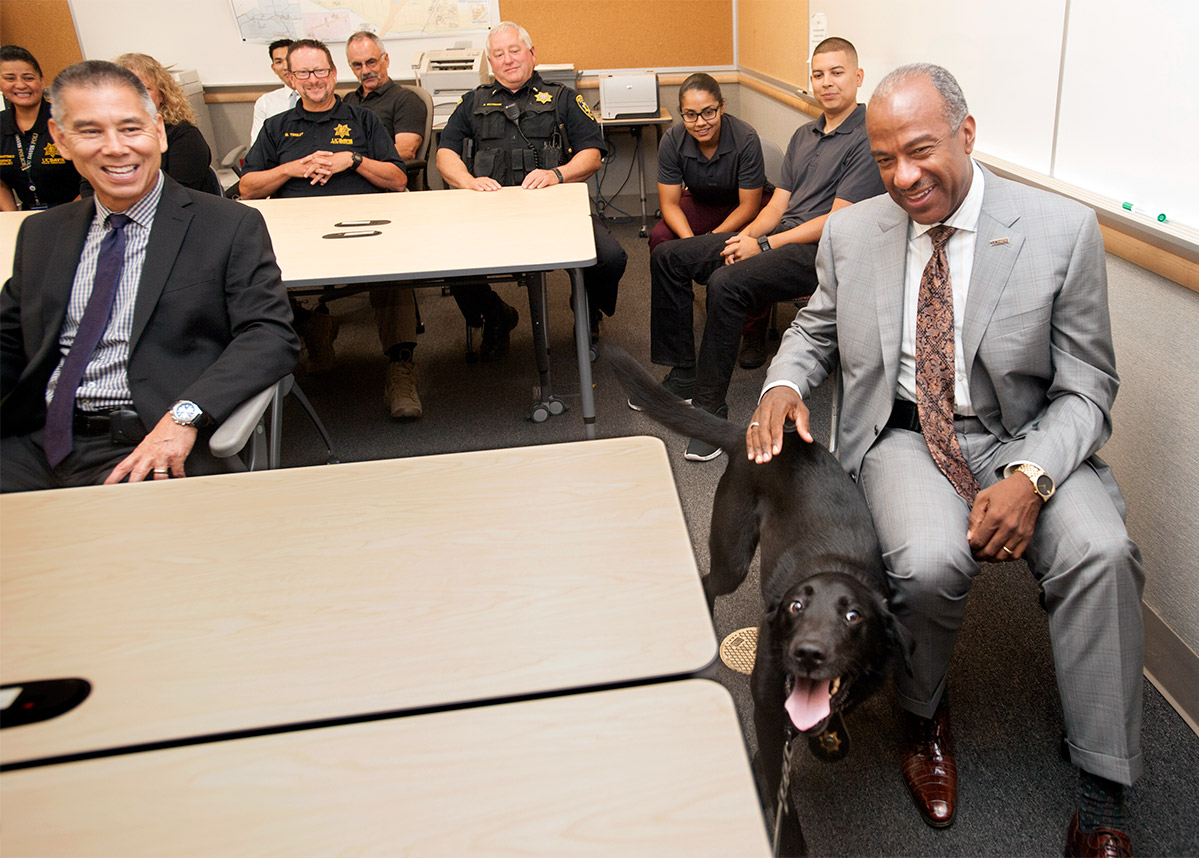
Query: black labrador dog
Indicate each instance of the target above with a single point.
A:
(828, 639)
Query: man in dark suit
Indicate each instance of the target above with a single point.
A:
(134, 322)
(968, 317)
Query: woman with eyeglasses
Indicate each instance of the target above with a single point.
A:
(31, 170)
(187, 159)
(710, 172)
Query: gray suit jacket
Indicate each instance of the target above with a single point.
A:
(1037, 336)
(211, 322)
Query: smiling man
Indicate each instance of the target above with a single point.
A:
(136, 321)
(827, 167)
(325, 146)
(521, 131)
(968, 316)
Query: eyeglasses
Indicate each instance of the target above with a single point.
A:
(372, 63)
(304, 74)
(708, 113)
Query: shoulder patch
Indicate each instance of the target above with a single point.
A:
(583, 107)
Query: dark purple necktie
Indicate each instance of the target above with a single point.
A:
(60, 414)
(935, 367)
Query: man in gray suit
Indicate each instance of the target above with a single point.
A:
(978, 377)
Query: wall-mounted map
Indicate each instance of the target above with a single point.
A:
(335, 20)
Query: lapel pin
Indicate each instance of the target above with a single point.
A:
(995, 242)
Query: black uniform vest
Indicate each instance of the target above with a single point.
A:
(507, 149)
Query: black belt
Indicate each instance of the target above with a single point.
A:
(904, 415)
(122, 425)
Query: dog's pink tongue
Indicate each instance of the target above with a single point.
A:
(808, 704)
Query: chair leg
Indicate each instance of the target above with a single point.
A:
(316, 421)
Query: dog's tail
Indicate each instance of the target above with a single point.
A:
(672, 413)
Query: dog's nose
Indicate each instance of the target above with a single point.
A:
(809, 654)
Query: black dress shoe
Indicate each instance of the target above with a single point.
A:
(497, 327)
(928, 766)
(1103, 842)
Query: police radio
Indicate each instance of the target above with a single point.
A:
(512, 112)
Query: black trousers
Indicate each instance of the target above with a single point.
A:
(782, 274)
(23, 465)
(601, 280)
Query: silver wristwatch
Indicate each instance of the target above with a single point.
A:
(187, 413)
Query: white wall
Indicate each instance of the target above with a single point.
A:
(1128, 122)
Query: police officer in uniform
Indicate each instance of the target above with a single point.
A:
(524, 131)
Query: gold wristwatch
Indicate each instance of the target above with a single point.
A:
(1042, 483)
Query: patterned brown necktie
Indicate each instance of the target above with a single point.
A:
(935, 369)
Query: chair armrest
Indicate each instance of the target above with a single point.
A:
(231, 436)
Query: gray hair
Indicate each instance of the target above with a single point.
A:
(953, 101)
(362, 35)
(95, 74)
(510, 26)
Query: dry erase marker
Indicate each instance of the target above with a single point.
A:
(1129, 207)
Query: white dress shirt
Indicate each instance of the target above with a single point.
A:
(269, 104)
(960, 252)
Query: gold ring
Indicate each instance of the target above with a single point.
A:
(161, 471)
(1008, 550)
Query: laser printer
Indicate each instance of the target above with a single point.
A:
(627, 95)
(449, 74)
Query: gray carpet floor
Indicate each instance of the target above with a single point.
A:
(1016, 794)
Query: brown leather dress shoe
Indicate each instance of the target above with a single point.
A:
(1104, 842)
(928, 766)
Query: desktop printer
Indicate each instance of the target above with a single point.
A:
(626, 95)
(449, 74)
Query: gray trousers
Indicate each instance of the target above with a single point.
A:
(1080, 553)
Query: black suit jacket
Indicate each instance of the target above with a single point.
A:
(211, 322)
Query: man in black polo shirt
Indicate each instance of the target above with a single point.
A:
(325, 146)
(401, 110)
(827, 166)
(522, 131)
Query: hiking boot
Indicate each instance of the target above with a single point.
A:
(399, 392)
(753, 352)
(318, 332)
(701, 451)
(497, 325)
(679, 388)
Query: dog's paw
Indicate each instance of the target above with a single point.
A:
(832, 743)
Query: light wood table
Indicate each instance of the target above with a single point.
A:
(248, 601)
(432, 235)
(658, 770)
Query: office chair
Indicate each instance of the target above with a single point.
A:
(242, 439)
(772, 160)
(419, 166)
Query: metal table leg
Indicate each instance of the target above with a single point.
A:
(583, 350)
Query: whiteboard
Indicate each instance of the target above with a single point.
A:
(1005, 55)
(1127, 124)
(203, 35)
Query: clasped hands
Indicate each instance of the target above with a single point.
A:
(740, 246)
(321, 165)
(1001, 521)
